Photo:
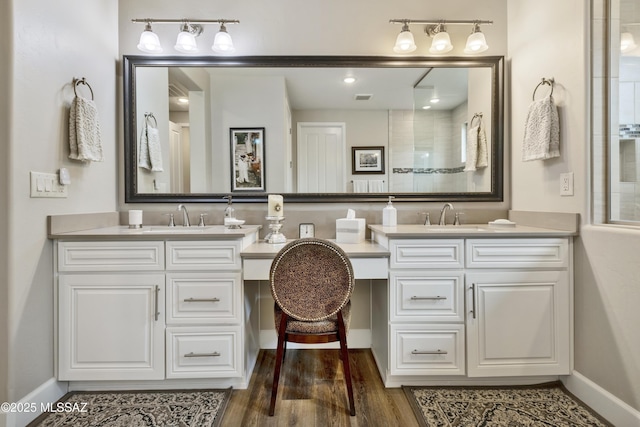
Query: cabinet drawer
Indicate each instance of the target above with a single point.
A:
(432, 253)
(110, 256)
(430, 295)
(517, 253)
(204, 352)
(204, 298)
(203, 255)
(427, 349)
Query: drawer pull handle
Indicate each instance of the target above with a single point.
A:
(202, 299)
(429, 352)
(413, 298)
(192, 354)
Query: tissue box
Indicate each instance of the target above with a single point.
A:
(350, 230)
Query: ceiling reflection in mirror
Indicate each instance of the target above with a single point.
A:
(197, 129)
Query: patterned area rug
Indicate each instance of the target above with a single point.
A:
(184, 408)
(543, 405)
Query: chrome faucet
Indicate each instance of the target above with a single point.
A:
(185, 215)
(443, 213)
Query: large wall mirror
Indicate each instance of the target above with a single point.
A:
(420, 129)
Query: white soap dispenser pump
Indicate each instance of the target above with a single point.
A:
(389, 215)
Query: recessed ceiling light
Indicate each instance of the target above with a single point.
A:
(183, 100)
(349, 79)
(434, 100)
(426, 107)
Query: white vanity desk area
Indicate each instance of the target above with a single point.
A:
(462, 305)
(369, 259)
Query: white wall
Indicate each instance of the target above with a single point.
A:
(51, 43)
(607, 344)
(6, 34)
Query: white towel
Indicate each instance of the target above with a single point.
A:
(360, 186)
(376, 186)
(477, 153)
(541, 131)
(483, 153)
(84, 131)
(472, 149)
(150, 151)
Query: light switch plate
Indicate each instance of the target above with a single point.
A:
(47, 185)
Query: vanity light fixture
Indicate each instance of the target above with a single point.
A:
(405, 42)
(476, 41)
(222, 43)
(186, 42)
(149, 41)
(441, 43)
(189, 30)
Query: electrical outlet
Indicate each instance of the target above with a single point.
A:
(566, 184)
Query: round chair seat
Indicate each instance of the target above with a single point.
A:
(317, 327)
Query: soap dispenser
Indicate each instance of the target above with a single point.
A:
(229, 212)
(389, 215)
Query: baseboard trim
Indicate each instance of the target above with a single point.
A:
(600, 400)
(48, 392)
(357, 338)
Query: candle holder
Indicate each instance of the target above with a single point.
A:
(275, 236)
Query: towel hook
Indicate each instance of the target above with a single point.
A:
(544, 81)
(83, 81)
(475, 116)
(148, 116)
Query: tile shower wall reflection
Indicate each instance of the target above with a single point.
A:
(425, 150)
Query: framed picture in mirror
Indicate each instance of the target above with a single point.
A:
(367, 160)
(247, 159)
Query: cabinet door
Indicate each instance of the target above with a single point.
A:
(111, 327)
(518, 323)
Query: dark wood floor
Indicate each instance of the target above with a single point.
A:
(312, 392)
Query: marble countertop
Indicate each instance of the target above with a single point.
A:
(417, 231)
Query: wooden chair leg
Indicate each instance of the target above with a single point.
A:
(345, 362)
(279, 360)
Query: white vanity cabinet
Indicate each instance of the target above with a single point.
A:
(204, 309)
(464, 308)
(426, 316)
(110, 310)
(518, 307)
(155, 309)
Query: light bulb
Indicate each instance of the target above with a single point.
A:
(441, 43)
(404, 42)
(476, 42)
(186, 42)
(149, 41)
(222, 42)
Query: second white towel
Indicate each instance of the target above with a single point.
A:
(84, 131)
(477, 152)
(541, 131)
(360, 186)
(150, 151)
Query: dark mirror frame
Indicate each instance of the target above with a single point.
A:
(496, 63)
